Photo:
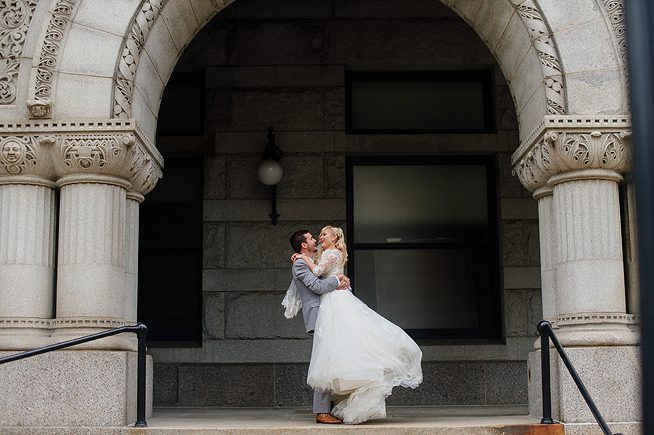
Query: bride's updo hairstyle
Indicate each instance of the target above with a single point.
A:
(339, 243)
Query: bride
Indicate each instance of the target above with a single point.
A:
(357, 355)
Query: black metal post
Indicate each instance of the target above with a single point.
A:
(639, 16)
(274, 215)
(545, 372)
(141, 335)
(547, 328)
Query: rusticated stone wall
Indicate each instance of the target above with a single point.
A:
(284, 67)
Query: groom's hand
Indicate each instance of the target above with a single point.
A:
(345, 282)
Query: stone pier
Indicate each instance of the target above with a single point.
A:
(98, 171)
(573, 165)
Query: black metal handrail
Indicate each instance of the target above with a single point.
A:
(547, 334)
(141, 332)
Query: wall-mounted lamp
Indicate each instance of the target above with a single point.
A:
(270, 172)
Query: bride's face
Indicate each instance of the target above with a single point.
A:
(327, 238)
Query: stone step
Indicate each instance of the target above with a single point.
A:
(535, 429)
(466, 420)
(368, 429)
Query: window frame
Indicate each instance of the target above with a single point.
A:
(490, 311)
(485, 77)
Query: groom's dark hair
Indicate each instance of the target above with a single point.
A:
(297, 239)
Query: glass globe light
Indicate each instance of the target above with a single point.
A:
(270, 172)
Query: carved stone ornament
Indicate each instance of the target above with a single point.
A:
(51, 324)
(133, 43)
(39, 109)
(94, 153)
(571, 143)
(15, 18)
(547, 54)
(90, 150)
(595, 318)
(614, 12)
(49, 56)
(615, 16)
(8, 77)
(17, 154)
(129, 59)
(144, 172)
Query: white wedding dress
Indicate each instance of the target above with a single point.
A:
(357, 354)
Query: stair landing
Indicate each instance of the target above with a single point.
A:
(465, 420)
(470, 420)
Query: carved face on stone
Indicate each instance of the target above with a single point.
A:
(12, 152)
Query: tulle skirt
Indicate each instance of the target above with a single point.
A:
(359, 357)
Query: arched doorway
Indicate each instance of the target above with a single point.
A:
(290, 67)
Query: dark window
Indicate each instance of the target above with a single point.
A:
(170, 256)
(423, 245)
(418, 101)
(182, 105)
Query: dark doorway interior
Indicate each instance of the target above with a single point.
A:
(170, 256)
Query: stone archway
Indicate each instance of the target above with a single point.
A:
(525, 51)
(536, 43)
(554, 80)
(564, 62)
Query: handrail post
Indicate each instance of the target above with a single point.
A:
(545, 369)
(141, 335)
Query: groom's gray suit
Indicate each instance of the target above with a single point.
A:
(310, 287)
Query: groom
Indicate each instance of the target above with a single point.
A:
(310, 287)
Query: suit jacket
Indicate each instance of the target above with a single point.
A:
(310, 287)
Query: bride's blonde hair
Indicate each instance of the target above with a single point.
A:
(339, 243)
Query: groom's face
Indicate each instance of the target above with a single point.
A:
(310, 242)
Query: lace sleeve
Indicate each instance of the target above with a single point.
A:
(328, 260)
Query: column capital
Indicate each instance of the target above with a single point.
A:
(567, 143)
(51, 150)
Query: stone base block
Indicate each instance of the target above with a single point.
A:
(633, 428)
(610, 373)
(72, 389)
(269, 385)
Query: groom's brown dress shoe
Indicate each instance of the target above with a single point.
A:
(327, 419)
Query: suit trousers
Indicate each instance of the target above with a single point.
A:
(322, 402)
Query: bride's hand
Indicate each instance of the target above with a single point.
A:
(295, 256)
(345, 282)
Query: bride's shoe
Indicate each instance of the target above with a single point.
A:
(327, 419)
